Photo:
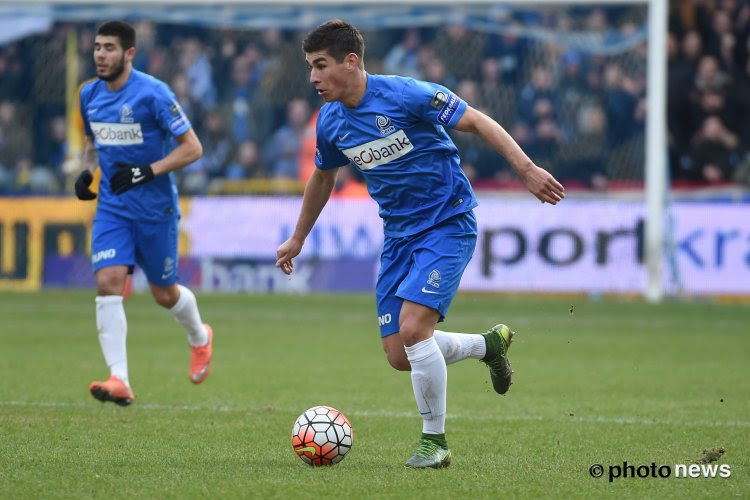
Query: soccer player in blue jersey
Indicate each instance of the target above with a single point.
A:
(393, 130)
(132, 121)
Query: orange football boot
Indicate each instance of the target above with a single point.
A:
(113, 390)
(200, 359)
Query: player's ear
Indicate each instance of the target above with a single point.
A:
(352, 61)
(130, 54)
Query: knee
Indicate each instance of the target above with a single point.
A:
(398, 360)
(165, 297)
(410, 333)
(109, 284)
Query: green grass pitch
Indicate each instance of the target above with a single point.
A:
(595, 383)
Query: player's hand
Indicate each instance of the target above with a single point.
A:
(83, 182)
(543, 185)
(286, 252)
(129, 176)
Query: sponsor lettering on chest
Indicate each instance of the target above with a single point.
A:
(117, 134)
(380, 151)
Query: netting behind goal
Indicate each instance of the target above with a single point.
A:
(568, 82)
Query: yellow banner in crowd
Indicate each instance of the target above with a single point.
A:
(33, 228)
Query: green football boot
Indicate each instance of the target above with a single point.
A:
(498, 339)
(429, 454)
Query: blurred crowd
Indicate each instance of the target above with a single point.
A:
(709, 91)
(579, 113)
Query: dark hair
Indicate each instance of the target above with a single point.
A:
(123, 31)
(338, 38)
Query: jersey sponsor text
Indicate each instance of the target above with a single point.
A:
(380, 151)
(117, 134)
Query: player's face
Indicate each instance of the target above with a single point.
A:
(327, 76)
(109, 57)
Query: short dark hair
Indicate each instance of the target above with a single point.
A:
(122, 30)
(338, 38)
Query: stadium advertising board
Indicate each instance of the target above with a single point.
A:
(35, 229)
(229, 245)
(577, 246)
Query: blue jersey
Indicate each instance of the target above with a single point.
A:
(135, 124)
(396, 138)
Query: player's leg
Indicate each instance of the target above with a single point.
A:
(438, 258)
(156, 253)
(490, 347)
(457, 346)
(112, 254)
(429, 376)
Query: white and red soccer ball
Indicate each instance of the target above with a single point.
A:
(322, 436)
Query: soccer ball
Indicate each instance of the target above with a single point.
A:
(322, 436)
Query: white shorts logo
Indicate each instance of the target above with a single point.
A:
(380, 151)
(384, 319)
(117, 134)
(103, 254)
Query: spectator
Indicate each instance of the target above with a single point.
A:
(217, 152)
(497, 97)
(435, 71)
(541, 86)
(282, 152)
(246, 163)
(13, 81)
(583, 160)
(620, 98)
(713, 152)
(194, 61)
(403, 58)
(15, 136)
(57, 148)
(181, 88)
(460, 50)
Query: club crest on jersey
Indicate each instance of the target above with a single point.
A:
(434, 278)
(126, 114)
(384, 125)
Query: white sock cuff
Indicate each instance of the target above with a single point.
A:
(421, 350)
(186, 296)
(108, 299)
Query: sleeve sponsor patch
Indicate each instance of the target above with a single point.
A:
(438, 100)
(177, 124)
(175, 110)
(448, 110)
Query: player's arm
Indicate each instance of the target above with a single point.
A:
(188, 150)
(89, 161)
(317, 192)
(538, 181)
(129, 175)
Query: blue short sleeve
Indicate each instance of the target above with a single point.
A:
(83, 96)
(327, 155)
(433, 103)
(168, 112)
